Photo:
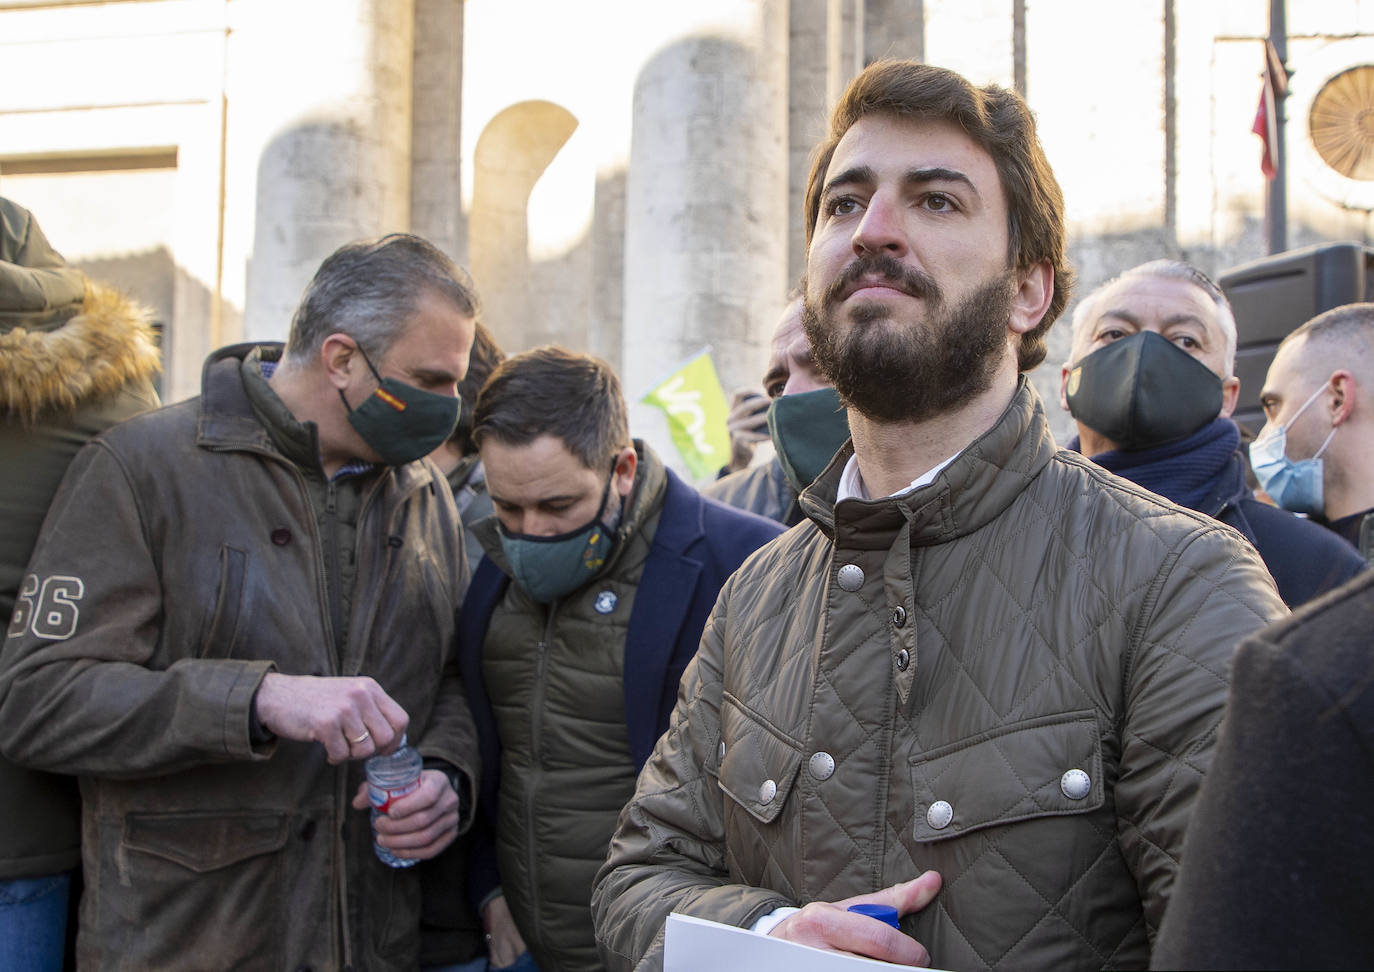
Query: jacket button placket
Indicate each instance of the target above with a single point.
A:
(853, 654)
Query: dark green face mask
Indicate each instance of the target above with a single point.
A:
(807, 429)
(550, 567)
(400, 422)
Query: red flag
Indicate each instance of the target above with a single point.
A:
(1266, 123)
(1265, 129)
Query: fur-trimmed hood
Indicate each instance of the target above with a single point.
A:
(107, 344)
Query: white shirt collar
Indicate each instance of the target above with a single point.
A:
(852, 482)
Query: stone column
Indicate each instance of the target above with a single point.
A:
(436, 205)
(706, 223)
(334, 160)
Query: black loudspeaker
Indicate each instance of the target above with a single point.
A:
(1273, 296)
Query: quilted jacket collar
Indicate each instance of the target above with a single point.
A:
(970, 492)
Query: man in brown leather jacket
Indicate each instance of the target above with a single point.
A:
(983, 683)
(237, 599)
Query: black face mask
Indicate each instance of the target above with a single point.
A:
(1143, 391)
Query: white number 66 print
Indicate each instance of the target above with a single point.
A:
(50, 611)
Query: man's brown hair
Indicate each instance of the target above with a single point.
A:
(1001, 124)
(575, 398)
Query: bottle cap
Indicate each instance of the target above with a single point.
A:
(884, 913)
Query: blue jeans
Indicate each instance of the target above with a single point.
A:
(522, 964)
(33, 922)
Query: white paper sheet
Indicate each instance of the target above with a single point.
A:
(698, 945)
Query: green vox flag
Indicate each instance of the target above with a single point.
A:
(697, 412)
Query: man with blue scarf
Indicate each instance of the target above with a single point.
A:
(1150, 381)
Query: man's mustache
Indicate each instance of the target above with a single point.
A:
(884, 270)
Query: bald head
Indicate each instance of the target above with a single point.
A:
(1320, 390)
(791, 369)
(1339, 338)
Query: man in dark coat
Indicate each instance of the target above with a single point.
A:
(1315, 454)
(76, 357)
(601, 569)
(1151, 382)
(1278, 866)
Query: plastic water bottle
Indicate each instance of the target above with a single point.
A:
(388, 779)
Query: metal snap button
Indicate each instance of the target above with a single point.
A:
(939, 815)
(903, 660)
(851, 577)
(899, 616)
(822, 765)
(768, 791)
(1076, 784)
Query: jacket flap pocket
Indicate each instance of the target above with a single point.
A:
(759, 764)
(205, 840)
(1046, 766)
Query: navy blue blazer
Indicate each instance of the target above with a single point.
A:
(699, 543)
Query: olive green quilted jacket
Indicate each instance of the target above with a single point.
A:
(1013, 675)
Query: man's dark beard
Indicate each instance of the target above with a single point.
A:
(918, 371)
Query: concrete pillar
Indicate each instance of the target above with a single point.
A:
(894, 28)
(436, 205)
(706, 223)
(808, 115)
(334, 164)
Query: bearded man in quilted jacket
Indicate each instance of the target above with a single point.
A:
(982, 684)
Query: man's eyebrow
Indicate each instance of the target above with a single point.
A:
(933, 173)
(775, 373)
(850, 176)
(1120, 313)
(434, 375)
(938, 173)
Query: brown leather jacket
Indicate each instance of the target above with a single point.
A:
(180, 563)
(1013, 675)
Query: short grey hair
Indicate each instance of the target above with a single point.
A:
(1086, 310)
(371, 289)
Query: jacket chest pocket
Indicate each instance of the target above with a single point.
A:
(221, 634)
(757, 770)
(1043, 767)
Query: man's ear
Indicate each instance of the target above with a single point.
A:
(339, 358)
(1064, 386)
(1342, 392)
(1034, 291)
(626, 462)
(1230, 395)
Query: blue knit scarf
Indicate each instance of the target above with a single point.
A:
(1202, 472)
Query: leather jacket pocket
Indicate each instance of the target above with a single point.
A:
(759, 765)
(201, 884)
(222, 631)
(1047, 766)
